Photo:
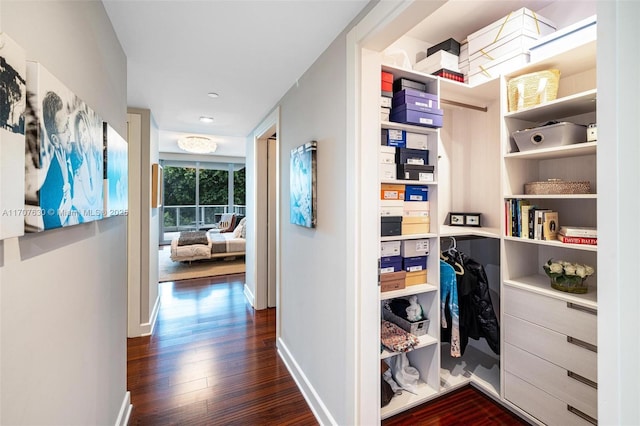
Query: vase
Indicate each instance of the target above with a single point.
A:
(570, 284)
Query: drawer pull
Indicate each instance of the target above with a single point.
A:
(581, 379)
(582, 308)
(582, 344)
(582, 415)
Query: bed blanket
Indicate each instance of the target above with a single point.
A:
(193, 237)
(226, 243)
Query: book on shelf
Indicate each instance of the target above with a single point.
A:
(579, 231)
(577, 240)
(550, 225)
(524, 231)
(539, 220)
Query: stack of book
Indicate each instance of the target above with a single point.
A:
(578, 235)
(530, 222)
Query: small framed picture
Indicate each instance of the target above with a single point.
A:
(472, 219)
(456, 219)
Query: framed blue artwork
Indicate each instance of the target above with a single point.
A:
(302, 182)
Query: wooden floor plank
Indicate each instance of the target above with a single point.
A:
(212, 360)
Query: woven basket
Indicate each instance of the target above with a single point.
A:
(556, 187)
(533, 89)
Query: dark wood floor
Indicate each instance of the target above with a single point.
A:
(212, 360)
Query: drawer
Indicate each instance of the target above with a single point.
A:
(541, 405)
(556, 314)
(554, 380)
(552, 346)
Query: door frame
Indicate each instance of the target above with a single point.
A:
(258, 256)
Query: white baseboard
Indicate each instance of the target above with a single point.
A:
(250, 296)
(320, 411)
(125, 410)
(146, 329)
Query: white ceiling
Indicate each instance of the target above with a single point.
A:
(248, 51)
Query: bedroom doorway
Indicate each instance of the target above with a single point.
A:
(197, 194)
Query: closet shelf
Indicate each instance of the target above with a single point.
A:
(408, 291)
(407, 182)
(458, 231)
(407, 237)
(408, 128)
(425, 340)
(567, 106)
(539, 283)
(553, 196)
(406, 400)
(553, 243)
(575, 150)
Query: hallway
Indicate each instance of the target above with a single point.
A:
(212, 360)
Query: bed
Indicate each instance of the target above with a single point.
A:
(199, 245)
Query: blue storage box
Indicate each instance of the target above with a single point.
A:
(390, 264)
(402, 94)
(404, 99)
(418, 118)
(412, 156)
(401, 108)
(397, 138)
(412, 264)
(416, 193)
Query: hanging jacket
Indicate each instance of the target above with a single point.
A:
(449, 302)
(477, 316)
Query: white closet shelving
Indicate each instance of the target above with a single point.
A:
(562, 342)
(424, 357)
(477, 170)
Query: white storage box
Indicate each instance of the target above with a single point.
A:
(387, 171)
(387, 154)
(563, 133)
(417, 328)
(440, 59)
(391, 207)
(389, 248)
(568, 38)
(414, 248)
(416, 208)
(507, 47)
(417, 140)
(504, 65)
(522, 21)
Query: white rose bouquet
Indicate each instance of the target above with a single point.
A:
(567, 276)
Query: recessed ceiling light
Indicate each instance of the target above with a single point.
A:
(205, 119)
(212, 94)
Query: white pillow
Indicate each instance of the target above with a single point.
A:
(240, 232)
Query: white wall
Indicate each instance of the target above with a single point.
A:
(314, 288)
(63, 293)
(618, 204)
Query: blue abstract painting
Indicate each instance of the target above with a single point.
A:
(303, 185)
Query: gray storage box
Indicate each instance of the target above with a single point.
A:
(563, 133)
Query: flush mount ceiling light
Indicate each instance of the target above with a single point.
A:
(212, 94)
(197, 144)
(205, 119)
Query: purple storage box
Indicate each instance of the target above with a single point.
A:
(413, 100)
(413, 107)
(416, 193)
(390, 264)
(403, 94)
(412, 264)
(418, 118)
